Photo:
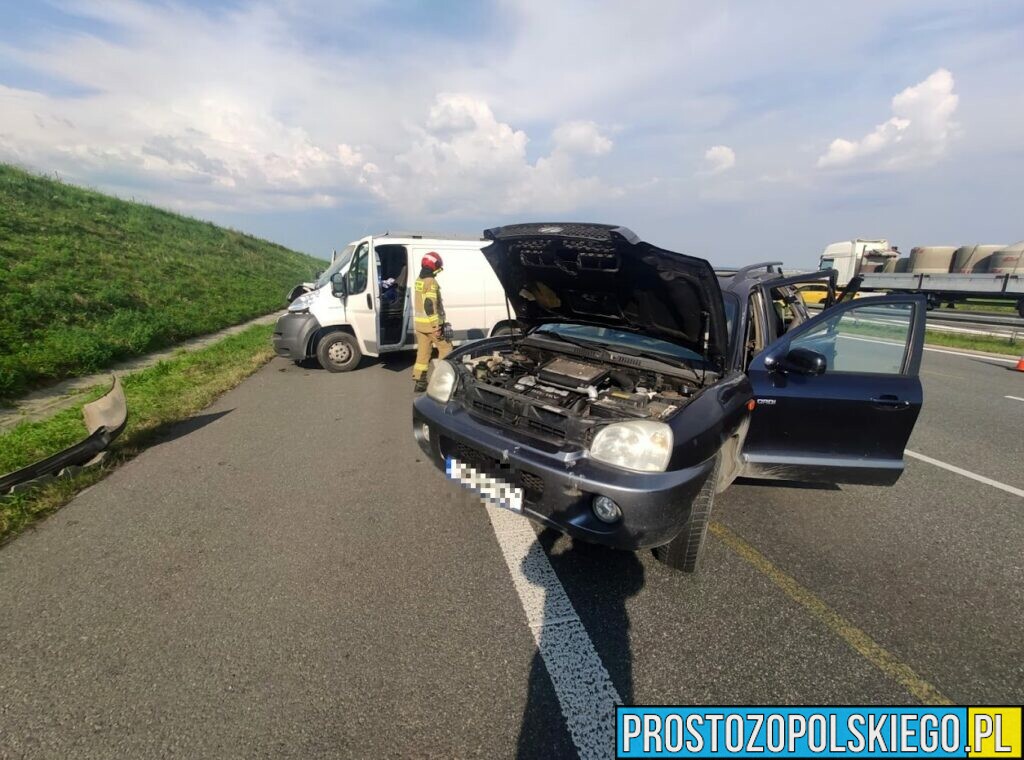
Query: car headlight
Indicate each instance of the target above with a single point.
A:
(301, 303)
(442, 382)
(641, 445)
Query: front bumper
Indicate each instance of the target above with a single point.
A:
(559, 485)
(293, 333)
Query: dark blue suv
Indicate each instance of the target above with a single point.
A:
(634, 384)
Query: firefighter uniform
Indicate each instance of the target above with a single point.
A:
(429, 318)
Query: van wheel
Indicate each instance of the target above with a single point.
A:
(684, 552)
(338, 352)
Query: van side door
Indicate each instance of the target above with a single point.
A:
(360, 298)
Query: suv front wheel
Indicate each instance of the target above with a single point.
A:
(685, 550)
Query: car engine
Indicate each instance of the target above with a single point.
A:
(557, 394)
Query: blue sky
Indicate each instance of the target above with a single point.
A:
(735, 131)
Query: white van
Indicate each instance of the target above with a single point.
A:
(362, 305)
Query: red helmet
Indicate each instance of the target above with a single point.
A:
(432, 261)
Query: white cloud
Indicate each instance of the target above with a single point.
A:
(232, 111)
(918, 133)
(718, 159)
(581, 137)
(464, 160)
(168, 109)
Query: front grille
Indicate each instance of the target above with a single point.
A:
(533, 485)
(488, 409)
(549, 430)
(474, 458)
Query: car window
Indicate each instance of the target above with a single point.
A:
(868, 338)
(358, 273)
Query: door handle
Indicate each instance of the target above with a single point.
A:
(890, 402)
(369, 302)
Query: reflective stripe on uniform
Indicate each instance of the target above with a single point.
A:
(420, 366)
(428, 320)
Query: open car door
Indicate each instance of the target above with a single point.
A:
(837, 397)
(824, 277)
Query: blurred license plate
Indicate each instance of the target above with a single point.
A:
(492, 490)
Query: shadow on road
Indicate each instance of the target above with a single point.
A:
(786, 484)
(191, 425)
(400, 361)
(598, 582)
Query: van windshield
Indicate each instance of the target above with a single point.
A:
(339, 263)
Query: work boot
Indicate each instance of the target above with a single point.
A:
(421, 385)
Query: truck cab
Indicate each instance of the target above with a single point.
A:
(847, 256)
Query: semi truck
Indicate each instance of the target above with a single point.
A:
(944, 274)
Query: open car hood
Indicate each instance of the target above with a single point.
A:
(604, 275)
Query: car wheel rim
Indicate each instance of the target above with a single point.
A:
(339, 353)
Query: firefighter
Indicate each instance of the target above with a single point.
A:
(429, 319)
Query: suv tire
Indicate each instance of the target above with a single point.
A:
(684, 552)
(338, 352)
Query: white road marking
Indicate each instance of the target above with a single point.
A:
(967, 473)
(585, 691)
(1015, 398)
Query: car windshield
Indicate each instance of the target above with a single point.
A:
(627, 341)
(339, 263)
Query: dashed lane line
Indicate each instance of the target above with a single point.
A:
(856, 638)
(966, 473)
(584, 689)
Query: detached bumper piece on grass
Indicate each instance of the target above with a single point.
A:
(105, 419)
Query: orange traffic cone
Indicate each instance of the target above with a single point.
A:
(1020, 364)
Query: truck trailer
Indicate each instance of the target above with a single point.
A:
(944, 274)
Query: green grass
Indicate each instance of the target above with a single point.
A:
(87, 279)
(985, 343)
(996, 307)
(158, 396)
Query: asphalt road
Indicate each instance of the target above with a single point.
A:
(283, 576)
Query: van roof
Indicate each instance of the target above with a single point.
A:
(427, 235)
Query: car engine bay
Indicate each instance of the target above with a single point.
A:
(560, 395)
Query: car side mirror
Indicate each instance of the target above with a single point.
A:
(338, 285)
(801, 361)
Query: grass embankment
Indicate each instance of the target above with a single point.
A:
(87, 279)
(985, 343)
(157, 397)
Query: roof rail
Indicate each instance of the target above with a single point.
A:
(427, 235)
(767, 265)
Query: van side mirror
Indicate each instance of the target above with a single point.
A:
(338, 285)
(801, 361)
